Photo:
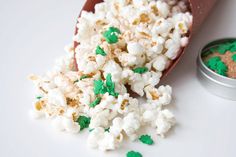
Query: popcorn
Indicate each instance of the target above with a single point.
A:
(123, 47)
(160, 63)
(66, 124)
(163, 8)
(131, 125)
(160, 96)
(164, 122)
(56, 97)
(102, 140)
(135, 48)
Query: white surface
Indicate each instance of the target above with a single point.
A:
(33, 34)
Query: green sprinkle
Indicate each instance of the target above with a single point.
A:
(234, 57)
(111, 35)
(211, 63)
(140, 70)
(146, 139)
(84, 77)
(114, 29)
(233, 48)
(221, 68)
(90, 130)
(39, 97)
(107, 129)
(98, 86)
(100, 51)
(217, 65)
(133, 154)
(110, 86)
(83, 121)
(76, 81)
(95, 102)
(223, 48)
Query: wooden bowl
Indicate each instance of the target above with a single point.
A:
(199, 9)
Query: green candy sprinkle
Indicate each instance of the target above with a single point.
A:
(114, 29)
(84, 77)
(83, 121)
(211, 63)
(90, 130)
(146, 139)
(140, 70)
(234, 57)
(217, 65)
(107, 129)
(100, 51)
(110, 86)
(39, 97)
(223, 48)
(233, 48)
(100, 88)
(95, 102)
(76, 81)
(133, 154)
(221, 68)
(111, 35)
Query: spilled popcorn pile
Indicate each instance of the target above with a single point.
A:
(125, 43)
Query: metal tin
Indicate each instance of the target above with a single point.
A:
(219, 85)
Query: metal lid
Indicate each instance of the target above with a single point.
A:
(220, 85)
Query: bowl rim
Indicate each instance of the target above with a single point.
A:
(226, 81)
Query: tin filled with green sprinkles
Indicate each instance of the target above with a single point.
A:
(216, 67)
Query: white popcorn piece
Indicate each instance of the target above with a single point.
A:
(164, 122)
(66, 124)
(135, 48)
(160, 96)
(160, 63)
(102, 140)
(56, 97)
(163, 8)
(131, 125)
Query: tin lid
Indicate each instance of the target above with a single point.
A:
(225, 86)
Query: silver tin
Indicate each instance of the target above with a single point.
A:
(219, 85)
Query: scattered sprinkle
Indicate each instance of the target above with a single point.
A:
(39, 97)
(90, 130)
(133, 154)
(83, 121)
(84, 77)
(76, 81)
(146, 139)
(110, 86)
(100, 88)
(114, 29)
(140, 70)
(95, 102)
(100, 51)
(234, 57)
(111, 35)
(107, 129)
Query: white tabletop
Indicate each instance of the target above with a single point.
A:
(33, 34)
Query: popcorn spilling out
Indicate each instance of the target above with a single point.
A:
(125, 43)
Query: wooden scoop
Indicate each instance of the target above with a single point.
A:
(199, 9)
